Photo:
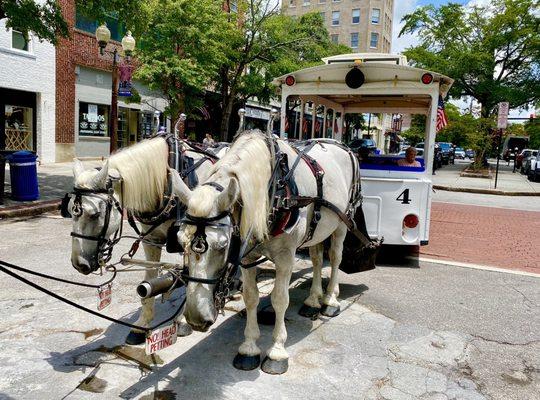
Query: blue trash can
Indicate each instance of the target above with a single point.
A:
(23, 173)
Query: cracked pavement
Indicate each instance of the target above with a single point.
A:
(431, 332)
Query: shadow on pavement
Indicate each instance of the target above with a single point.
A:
(204, 370)
(398, 256)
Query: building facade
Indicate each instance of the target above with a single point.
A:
(83, 93)
(27, 93)
(363, 25)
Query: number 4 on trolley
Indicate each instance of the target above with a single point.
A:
(404, 197)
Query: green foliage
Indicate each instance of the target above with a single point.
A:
(45, 18)
(533, 130)
(264, 44)
(492, 52)
(459, 129)
(182, 50)
(417, 132)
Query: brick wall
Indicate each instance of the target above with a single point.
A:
(80, 49)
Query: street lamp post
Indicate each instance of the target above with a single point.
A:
(103, 35)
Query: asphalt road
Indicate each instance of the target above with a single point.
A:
(405, 332)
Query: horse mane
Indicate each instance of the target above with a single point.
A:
(143, 168)
(248, 160)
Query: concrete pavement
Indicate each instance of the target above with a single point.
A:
(449, 177)
(410, 332)
(54, 181)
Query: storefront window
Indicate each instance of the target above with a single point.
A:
(89, 25)
(19, 129)
(19, 40)
(93, 119)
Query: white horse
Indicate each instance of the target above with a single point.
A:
(237, 190)
(138, 176)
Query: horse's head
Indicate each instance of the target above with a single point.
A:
(96, 216)
(206, 234)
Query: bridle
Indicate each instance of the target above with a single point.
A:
(105, 243)
(224, 280)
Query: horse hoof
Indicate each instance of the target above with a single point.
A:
(266, 316)
(275, 367)
(184, 329)
(246, 363)
(308, 311)
(330, 311)
(135, 338)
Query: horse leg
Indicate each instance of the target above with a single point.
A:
(312, 305)
(330, 306)
(277, 358)
(137, 336)
(249, 354)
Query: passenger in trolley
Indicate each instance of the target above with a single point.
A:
(410, 159)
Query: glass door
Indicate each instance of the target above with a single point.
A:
(18, 128)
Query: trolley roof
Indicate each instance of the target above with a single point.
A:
(387, 85)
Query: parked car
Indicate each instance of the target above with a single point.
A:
(357, 144)
(534, 170)
(525, 153)
(459, 153)
(470, 153)
(526, 167)
(447, 152)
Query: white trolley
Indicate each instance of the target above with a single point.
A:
(397, 199)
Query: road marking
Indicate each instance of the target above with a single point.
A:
(475, 266)
(488, 206)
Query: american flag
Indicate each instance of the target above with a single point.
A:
(442, 121)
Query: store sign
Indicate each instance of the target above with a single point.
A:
(257, 113)
(92, 119)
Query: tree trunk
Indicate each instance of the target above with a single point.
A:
(226, 117)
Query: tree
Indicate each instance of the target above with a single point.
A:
(264, 44)
(417, 132)
(182, 50)
(459, 128)
(45, 18)
(493, 52)
(532, 128)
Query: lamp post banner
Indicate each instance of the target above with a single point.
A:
(125, 71)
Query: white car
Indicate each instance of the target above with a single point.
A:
(459, 153)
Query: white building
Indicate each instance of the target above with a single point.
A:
(27, 93)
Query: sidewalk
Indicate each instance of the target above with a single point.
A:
(448, 178)
(54, 181)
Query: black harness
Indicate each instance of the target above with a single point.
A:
(105, 243)
(224, 281)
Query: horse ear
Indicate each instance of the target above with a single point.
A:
(179, 188)
(228, 196)
(78, 168)
(100, 179)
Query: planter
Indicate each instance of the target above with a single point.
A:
(484, 173)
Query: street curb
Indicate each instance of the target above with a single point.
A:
(29, 210)
(484, 191)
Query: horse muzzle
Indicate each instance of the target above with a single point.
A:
(84, 266)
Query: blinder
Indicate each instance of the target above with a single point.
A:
(104, 244)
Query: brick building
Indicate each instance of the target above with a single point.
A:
(363, 25)
(83, 93)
